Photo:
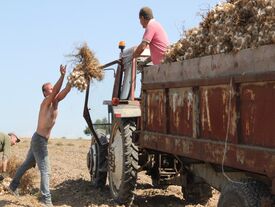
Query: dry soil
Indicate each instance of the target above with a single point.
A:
(70, 182)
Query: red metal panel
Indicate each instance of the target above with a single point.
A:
(252, 60)
(181, 111)
(214, 110)
(155, 111)
(249, 158)
(258, 114)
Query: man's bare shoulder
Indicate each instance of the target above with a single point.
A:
(46, 102)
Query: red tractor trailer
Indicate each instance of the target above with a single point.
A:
(201, 123)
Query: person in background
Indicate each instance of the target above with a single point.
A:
(154, 36)
(6, 141)
(38, 152)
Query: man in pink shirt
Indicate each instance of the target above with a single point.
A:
(154, 36)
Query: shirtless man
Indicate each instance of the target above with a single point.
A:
(38, 152)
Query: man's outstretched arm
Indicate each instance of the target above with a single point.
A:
(57, 85)
(60, 96)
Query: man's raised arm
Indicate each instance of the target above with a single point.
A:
(63, 93)
(57, 85)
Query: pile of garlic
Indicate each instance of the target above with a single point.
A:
(87, 68)
(231, 26)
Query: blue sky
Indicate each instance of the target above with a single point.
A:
(36, 36)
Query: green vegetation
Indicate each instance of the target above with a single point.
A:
(99, 124)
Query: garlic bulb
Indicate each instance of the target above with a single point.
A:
(87, 68)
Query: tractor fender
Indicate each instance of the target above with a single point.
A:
(126, 111)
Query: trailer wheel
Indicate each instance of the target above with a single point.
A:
(97, 161)
(248, 194)
(123, 162)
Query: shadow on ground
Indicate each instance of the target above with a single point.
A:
(158, 200)
(81, 193)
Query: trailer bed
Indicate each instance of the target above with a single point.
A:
(216, 109)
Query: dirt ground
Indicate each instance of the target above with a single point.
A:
(70, 185)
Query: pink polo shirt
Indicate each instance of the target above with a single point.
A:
(157, 39)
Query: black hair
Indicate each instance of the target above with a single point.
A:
(146, 13)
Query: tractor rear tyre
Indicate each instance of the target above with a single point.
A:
(97, 161)
(247, 194)
(123, 162)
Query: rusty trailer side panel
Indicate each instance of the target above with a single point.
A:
(180, 111)
(257, 110)
(214, 110)
(155, 112)
(207, 122)
(203, 112)
(248, 158)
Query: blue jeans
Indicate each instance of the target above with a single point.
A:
(38, 153)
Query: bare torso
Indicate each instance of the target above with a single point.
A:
(46, 119)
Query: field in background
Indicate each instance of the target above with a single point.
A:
(70, 181)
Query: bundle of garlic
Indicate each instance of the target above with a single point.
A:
(86, 68)
(231, 26)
